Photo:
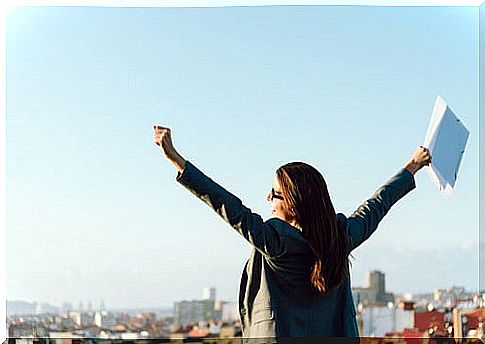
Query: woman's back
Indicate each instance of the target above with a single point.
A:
(279, 300)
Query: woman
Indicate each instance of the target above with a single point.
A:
(296, 282)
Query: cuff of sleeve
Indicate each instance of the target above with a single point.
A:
(189, 176)
(409, 178)
(181, 176)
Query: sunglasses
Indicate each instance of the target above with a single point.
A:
(274, 195)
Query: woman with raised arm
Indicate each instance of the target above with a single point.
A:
(296, 282)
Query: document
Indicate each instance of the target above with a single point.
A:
(446, 140)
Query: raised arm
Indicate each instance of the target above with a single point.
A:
(262, 235)
(364, 221)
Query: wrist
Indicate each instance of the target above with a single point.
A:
(413, 166)
(178, 161)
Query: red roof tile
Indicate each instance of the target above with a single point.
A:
(474, 317)
(426, 320)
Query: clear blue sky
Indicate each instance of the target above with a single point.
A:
(93, 209)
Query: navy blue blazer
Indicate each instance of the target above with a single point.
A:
(276, 298)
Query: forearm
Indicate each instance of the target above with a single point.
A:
(178, 161)
(230, 208)
(364, 221)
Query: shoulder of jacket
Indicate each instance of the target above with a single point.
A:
(284, 229)
(279, 224)
(342, 220)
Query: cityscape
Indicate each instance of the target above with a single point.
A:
(452, 313)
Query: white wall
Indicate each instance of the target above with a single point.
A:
(377, 321)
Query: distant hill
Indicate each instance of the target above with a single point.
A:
(20, 307)
(24, 307)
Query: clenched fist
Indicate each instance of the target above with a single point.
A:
(163, 138)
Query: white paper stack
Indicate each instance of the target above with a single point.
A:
(446, 139)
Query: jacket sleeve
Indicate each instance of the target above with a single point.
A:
(363, 222)
(261, 235)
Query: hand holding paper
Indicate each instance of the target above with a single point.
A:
(446, 140)
(421, 157)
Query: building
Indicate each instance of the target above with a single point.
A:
(209, 293)
(375, 292)
(75, 317)
(195, 311)
(87, 319)
(448, 297)
(20, 330)
(229, 331)
(129, 336)
(190, 312)
(377, 320)
(47, 308)
(64, 338)
(469, 323)
(98, 319)
(230, 312)
(66, 307)
(475, 318)
(425, 321)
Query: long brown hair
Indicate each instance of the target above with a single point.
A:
(308, 203)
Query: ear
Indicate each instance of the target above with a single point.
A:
(290, 212)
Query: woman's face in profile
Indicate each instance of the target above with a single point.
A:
(277, 201)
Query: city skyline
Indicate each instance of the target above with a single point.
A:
(92, 207)
(443, 313)
(90, 306)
